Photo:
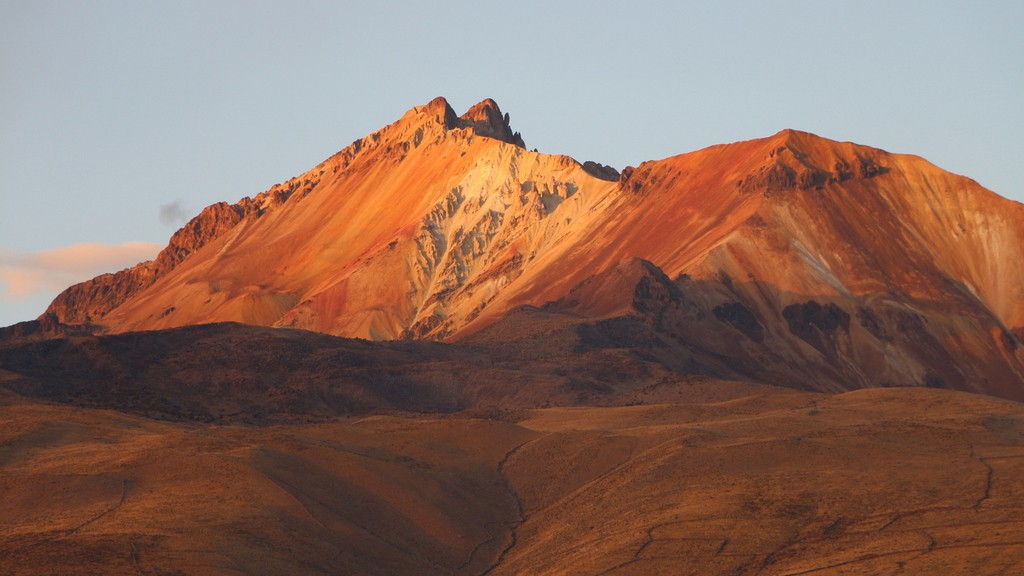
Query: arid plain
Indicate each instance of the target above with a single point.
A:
(909, 481)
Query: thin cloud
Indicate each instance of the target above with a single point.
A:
(174, 213)
(28, 274)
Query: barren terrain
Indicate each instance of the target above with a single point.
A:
(909, 481)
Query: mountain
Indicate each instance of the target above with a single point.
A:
(374, 242)
(792, 259)
(440, 353)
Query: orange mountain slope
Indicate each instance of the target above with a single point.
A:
(374, 242)
(827, 264)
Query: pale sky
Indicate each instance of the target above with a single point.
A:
(120, 119)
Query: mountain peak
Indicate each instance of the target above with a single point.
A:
(787, 133)
(803, 160)
(483, 109)
(440, 109)
(808, 144)
(485, 118)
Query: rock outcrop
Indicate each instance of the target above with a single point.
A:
(487, 120)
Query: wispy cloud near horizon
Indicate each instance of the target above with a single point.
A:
(25, 275)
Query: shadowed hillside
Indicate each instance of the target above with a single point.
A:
(227, 373)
